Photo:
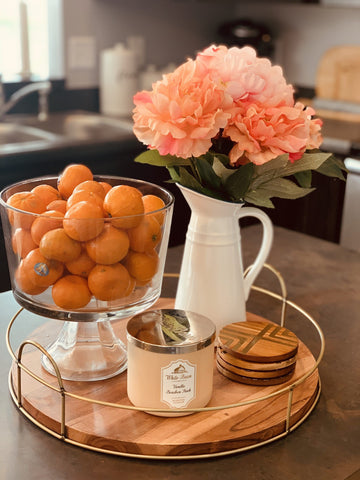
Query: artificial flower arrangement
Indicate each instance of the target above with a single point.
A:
(226, 125)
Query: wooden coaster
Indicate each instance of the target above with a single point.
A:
(254, 381)
(255, 366)
(258, 341)
(254, 373)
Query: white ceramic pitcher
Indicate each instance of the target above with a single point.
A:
(211, 279)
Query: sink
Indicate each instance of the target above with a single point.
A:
(16, 137)
(13, 133)
(77, 125)
(21, 133)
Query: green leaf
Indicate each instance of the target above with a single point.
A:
(153, 157)
(221, 170)
(206, 173)
(284, 188)
(173, 171)
(272, 169)
(275, 164)
(309, 161)
(259, 198)
(188, 180)
(224, 159)
(238, 183)
(278, 187)
(304, 178)
(182, 176)
(281, 167)
(332, 167)
(339, 163)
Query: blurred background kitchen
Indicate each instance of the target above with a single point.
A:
(97, 53)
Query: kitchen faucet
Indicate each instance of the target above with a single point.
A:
(42, 87)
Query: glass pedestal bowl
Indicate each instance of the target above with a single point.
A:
(86, 272)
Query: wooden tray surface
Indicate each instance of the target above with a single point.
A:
(130, 432)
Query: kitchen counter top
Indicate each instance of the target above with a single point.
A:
(321, 277)
(341, 129)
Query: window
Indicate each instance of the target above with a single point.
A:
(25, 44)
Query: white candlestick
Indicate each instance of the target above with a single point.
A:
(24, 41)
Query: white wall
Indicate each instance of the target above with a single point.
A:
(304, 33)
(176, 29)
(173, 29)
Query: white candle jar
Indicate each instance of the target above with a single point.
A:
(170, 360)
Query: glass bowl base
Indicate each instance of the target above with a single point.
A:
(86, 352)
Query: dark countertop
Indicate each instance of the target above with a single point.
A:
(321, 277)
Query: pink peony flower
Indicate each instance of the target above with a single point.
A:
(246, 77)
(314, 138)
(227, 92)
(231, 103)
(182, 113)
(262, 133)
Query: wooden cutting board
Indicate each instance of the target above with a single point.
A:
(129, 432)
(338, 74)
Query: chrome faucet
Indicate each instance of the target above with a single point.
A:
(42, 87)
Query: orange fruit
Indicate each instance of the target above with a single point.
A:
(142, 266)
(49, 220)
(106, 186)
(40, 270)
(124, 201)
(57, 245)
(28, 202)
(146, 235)
(71, 176)
(24, 282)
(131, 287)
(111, 246)
(47, 193)
(84, 221)
(82, 265)
(91, 186)
(109, 282)
(84, 196)
(71, 292)
(58, 205)
(22, 242)
(152, 203)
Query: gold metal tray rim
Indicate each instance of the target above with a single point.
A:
(62, 391)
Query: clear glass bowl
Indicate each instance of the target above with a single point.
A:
(87, 347)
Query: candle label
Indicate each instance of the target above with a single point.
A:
(178, 383)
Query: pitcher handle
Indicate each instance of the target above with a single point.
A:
(265, 245)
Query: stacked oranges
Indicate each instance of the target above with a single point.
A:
(85, 239)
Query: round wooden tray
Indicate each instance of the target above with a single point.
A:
(224, 427)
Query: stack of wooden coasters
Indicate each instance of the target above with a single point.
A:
(256, 353)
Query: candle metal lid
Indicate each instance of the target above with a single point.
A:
(170, 331)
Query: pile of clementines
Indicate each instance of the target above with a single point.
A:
(87, 238)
